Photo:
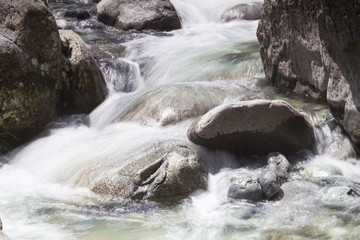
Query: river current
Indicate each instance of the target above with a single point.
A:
(171, 78)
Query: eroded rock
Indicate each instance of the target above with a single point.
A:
(163, 171)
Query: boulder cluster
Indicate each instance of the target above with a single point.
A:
(43, 73)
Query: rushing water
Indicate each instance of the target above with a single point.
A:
(170, 79)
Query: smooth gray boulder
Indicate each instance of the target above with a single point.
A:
(318, 59)
(242, 11)
(253, 127)
(139, 14)
(164, 171)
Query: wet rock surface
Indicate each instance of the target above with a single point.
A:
(318, 59)
(258, 126)
(274, 174)
(265, 185)
(83, 87)
(163, 171)
(139, 14)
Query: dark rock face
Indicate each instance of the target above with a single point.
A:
(319, 58)
(259, 126)
(163, 171)
(242, 11)
(139, 14)
(83, 85)
(30, 53)
(32, 75)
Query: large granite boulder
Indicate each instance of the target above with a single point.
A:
(253, 127)
(319, 58)
(30, 53)
(39, 77)
(163, 171)
(139, 14)
(83, 87)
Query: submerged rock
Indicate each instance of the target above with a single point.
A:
(320, 171)
(295, 191)
(319, 58)
(164, 171)
(83, 85)
(139, 14)
(242, 11)
(259, 127)
(174, 103)
(340, 196)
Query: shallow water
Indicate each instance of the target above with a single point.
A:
(173, 78)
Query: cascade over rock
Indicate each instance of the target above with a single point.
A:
(313, 48)
(139, 14)
(33, 70)
(258, 126)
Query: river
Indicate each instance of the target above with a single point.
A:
(172, 78)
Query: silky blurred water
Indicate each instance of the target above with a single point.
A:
(169, 80)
